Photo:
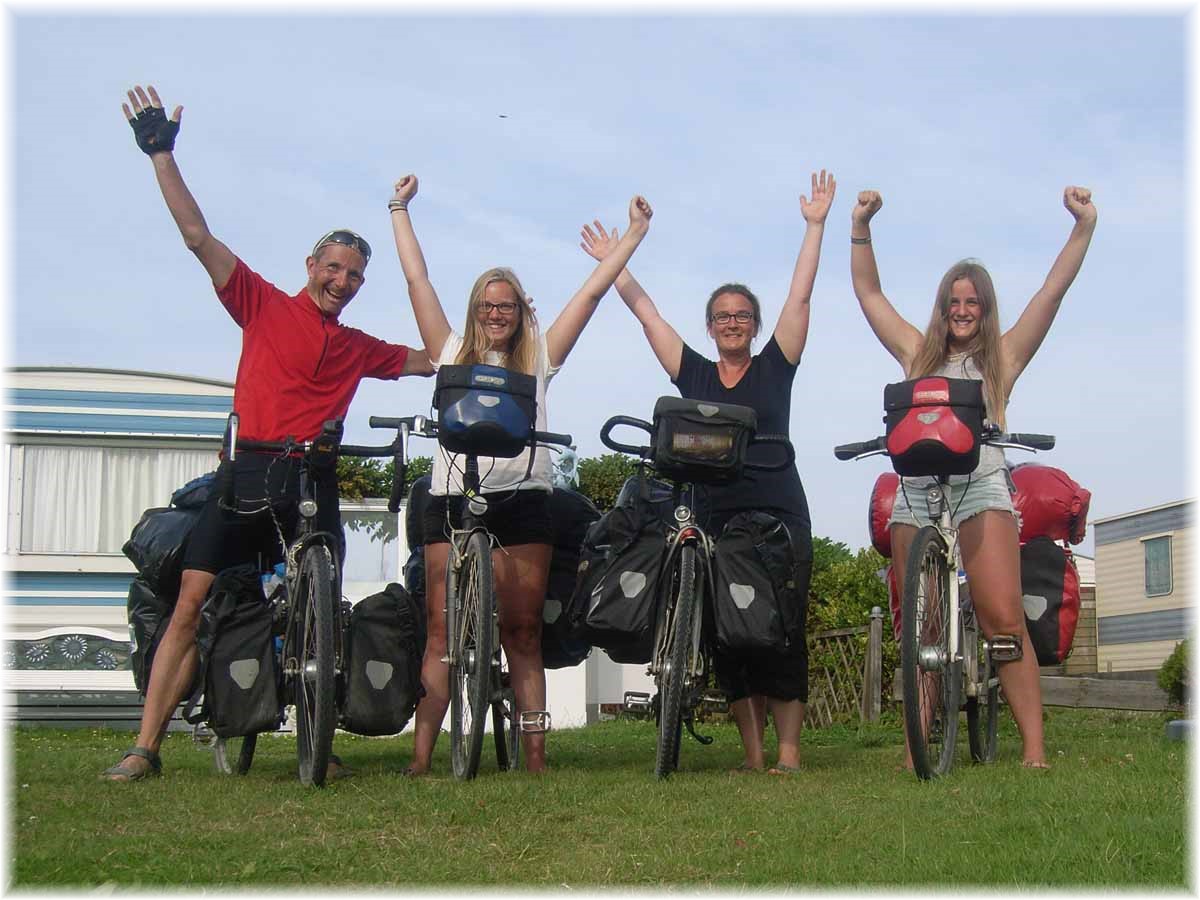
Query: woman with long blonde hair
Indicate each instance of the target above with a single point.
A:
(964, 340)
(501, 330)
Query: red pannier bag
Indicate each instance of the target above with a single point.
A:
(1050, 502)
(1050, 595)
(933, 425)
(883, 498)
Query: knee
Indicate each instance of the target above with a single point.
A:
(521, 635)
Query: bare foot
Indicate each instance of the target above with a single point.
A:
(744, 768)
(412, 770)
(1034, 764)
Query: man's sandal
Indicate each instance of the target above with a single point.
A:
(122, 772)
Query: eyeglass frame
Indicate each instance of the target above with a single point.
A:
(485, 307)
(346, 238)
(742, 316)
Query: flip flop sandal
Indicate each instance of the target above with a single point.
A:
(337, 770)
(121, 772)
(780, 769)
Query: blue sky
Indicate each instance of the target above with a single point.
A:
(969, 125)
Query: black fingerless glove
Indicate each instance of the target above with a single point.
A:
(153, 131)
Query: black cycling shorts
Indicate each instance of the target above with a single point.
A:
(513, 517)
(223, 538)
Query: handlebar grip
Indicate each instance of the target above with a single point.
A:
(549, 437)
(612, 423)
(385, 421)
(777, 440)
(1036, 441)
(850, 451)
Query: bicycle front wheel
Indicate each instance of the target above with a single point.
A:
(315, 678)
(471, 671)
(932, 679)
(983, 710)
(674, 673)
(506, 729)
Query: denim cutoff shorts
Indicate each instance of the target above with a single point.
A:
(967, 498)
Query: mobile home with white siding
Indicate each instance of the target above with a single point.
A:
(1143, 586)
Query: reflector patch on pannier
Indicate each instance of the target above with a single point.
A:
(378, 673)
(632, 583)
(243, 672)
(1035, 606)
(742, 594)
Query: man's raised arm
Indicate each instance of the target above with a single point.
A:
(155, 136)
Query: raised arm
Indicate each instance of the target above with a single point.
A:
(664, 340)
(1021, 341)
(431, 318)
(896, 334)
(562, 335)
(155, 136)
(791, 331)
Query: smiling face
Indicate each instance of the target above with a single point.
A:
(498, 314)
(733, 337)
(334, 276)
(963, 315)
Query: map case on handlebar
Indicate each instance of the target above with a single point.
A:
(696, 441)
(485, 410)
(933, 425)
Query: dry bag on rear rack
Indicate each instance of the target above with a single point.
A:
(485, 410)
(236, 642)
(385, 640)
(1050, 595)
(701, 442)
(615, 602)
(757, 605)
(159, 539)
(149, 615)
(933, 425)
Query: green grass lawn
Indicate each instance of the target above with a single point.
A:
(1111, 812)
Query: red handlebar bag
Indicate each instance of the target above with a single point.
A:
(933, 425)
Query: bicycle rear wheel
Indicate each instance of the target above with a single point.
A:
(673, 676)
(932, 680)
(471, 671)
(983, 709)
(314, 682)
(234, 756)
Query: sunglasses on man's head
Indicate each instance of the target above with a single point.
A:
(346, 238)
(741, 317)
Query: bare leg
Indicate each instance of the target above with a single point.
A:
(992, 558)
(789, 720)
(173, 668)
(750, 719)
(521, 573)
(435, 674)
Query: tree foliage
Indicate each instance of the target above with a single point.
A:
(601, 477)
(360, 478)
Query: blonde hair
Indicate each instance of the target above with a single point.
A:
(984, 349)
(522, 352)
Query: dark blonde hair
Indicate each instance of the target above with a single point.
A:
(734, 288)
(522, 351)
(984, 349)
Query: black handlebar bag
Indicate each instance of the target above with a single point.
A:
(485, 410)
(933, 425)
(700, 442)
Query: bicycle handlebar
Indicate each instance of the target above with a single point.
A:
(776, 440)
(1016, 440)
(607, 441)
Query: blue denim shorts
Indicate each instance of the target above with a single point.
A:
(967, 498)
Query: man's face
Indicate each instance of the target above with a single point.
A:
(334, 276)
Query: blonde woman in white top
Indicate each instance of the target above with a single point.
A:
(501, 329)
(964, 340)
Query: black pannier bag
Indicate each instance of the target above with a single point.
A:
(159, 539)
(236, 642)
(695, 441)
(757, 605)
(1050, 596)
(148, 617)
(485, 410)
(933, 425)
(641, 487)
(615, 602)
(385, 640)
(572, 514)
(414, 568)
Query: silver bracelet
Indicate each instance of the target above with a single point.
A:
(855, 240)
(394, 205)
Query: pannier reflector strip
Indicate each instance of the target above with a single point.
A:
(378, 672)
(742, 594)
(632, 584)
(244, 672)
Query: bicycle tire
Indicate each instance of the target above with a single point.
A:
(471, 671)
(932, 681)
(506, 730)
(674, 674)
(983, 710)
(314, 683)
(234, 756)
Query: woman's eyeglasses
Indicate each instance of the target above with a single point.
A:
(507, 308)
(741, 317)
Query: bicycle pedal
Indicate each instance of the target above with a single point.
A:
(714, 701)
(636, 702)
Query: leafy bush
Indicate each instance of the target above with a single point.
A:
(1173, 677)
(601, 477)
(359, 478)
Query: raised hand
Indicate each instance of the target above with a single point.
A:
(869, 203)
(1078, 201)
(406, 189)
(639, 212)
(599, 243)
(815, 210)
(152, 130)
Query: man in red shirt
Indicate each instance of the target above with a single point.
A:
(299, 367)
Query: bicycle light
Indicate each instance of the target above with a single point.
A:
(308, 508)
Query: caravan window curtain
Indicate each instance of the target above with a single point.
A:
(87, 499)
